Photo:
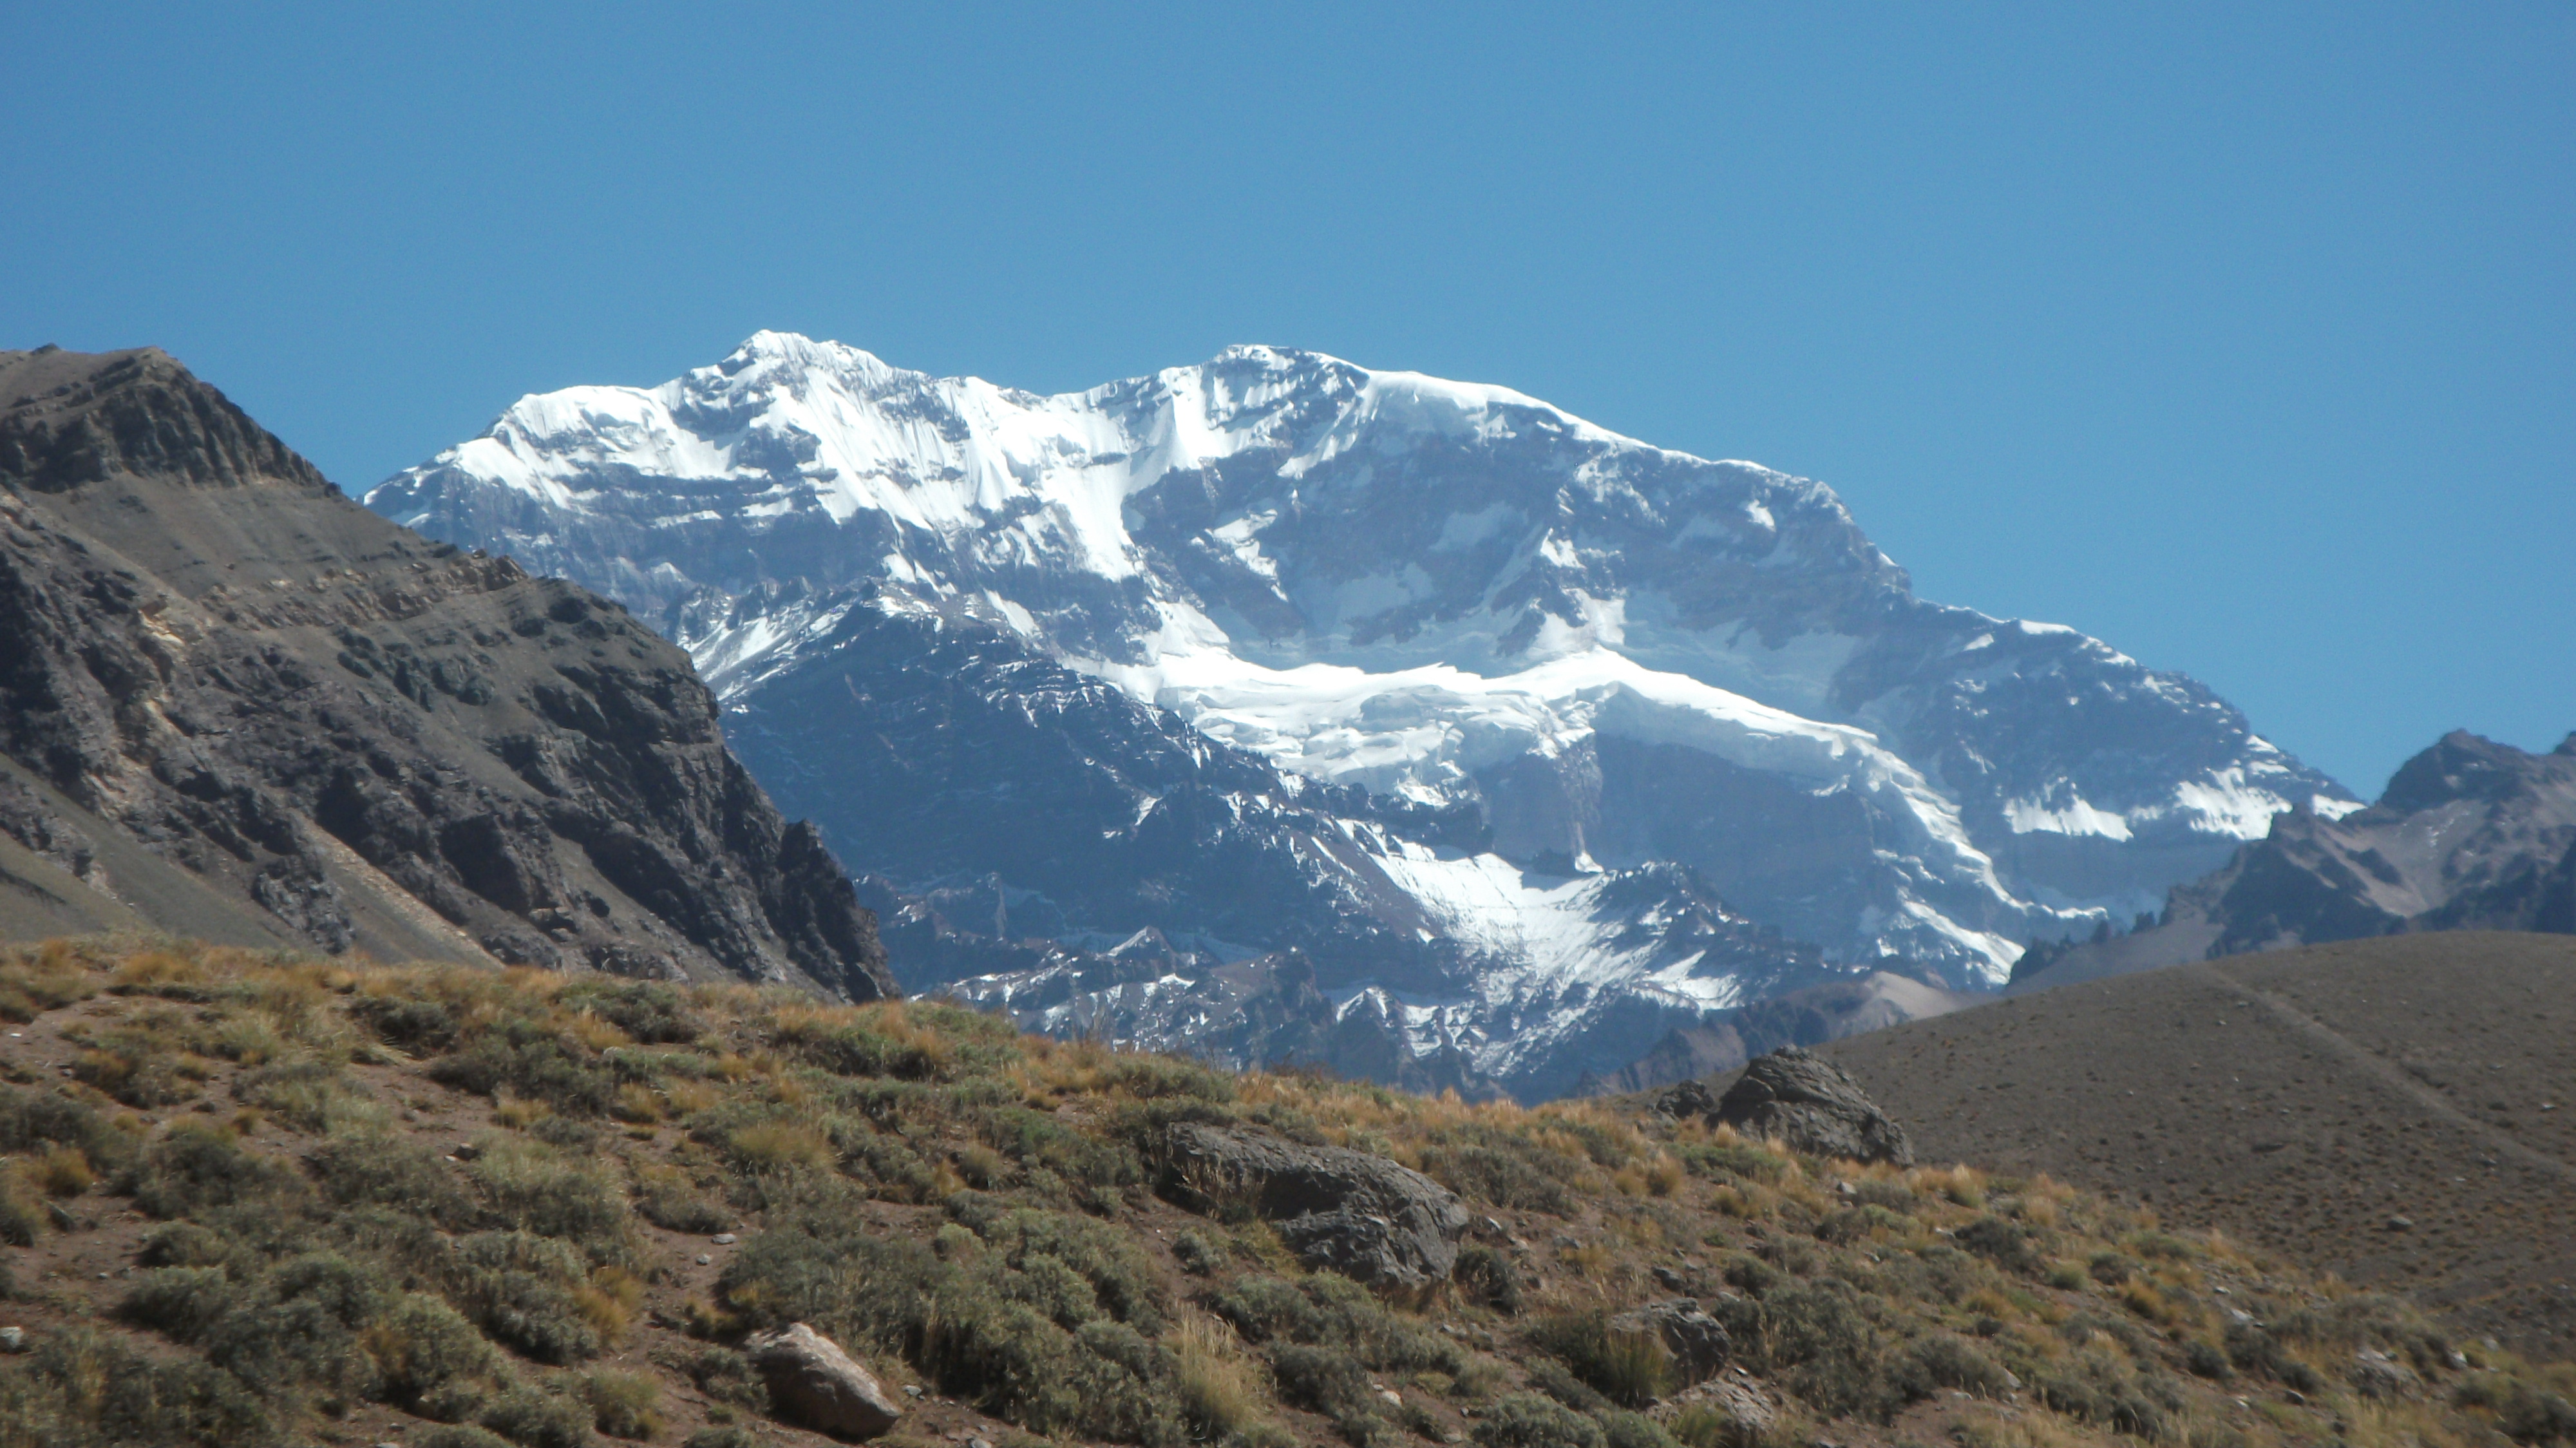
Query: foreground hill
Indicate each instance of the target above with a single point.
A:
(1276, 651)
(238, 706)
(2401, 1111)
(258, 1199)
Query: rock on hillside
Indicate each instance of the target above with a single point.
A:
(2470, 835)
(235, 704)
(1814, 1106)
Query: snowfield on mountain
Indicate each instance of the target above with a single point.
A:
(1281, 652)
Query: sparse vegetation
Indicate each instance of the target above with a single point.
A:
(472, 1200)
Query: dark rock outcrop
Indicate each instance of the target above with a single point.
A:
(345, 737)
(1345, 1211)
(813, 1383)
(1696, 1341)
(1810, 1103)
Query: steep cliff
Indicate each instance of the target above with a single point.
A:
(233, 703)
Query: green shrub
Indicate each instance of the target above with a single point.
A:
(1526, 1420)
(1554, 1378)
(721, 1438)
(184, 1244)
(2006, 1244)
(2254, 1349)
(432, 1360)
(1629, 1368)
(532, 1189)
(1500, 1168)
(1030, 1328)
(2523, 1412)
(458, 1436)
(80, 1389)
(2103, 1388)
(1705, 1425)
(649, 1012)
(414, 1025)
(180, 1303)
(1486, 1277)
(1824, 1347)
(31, 1121)
(197, 1166)
(525, 1059)
(394, 1171)
(1332, 1311)
(298, 1329)
(624, 1405)
(667, 1199)
(521, 1290)
(1942, 1360)
(728, 1377)
(533, 1419)
(1739, 1163)
(1634, 1430)
(311, 1096)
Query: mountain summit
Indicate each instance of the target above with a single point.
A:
(1466, 647)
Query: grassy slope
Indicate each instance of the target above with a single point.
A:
(258, 1199)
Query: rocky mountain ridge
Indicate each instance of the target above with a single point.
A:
(2470, 834)
(235, 704)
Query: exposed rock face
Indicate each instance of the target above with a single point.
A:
(1346, 1211)
(2470, 835)
(815, 1384)
(302, 725)
(1812, 1105)
(1697, 1341)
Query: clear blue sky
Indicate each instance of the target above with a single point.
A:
(2241, 338)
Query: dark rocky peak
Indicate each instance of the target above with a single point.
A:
(242, 707)
(74, 418)
(2467, 766)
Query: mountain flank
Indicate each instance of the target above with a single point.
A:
(254, 1199)
(2401, 1110)
(2470, 835)
(236, 705)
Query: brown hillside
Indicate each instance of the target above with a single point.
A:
(2401, 1111)
(255, 1200)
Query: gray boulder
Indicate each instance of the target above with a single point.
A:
(1809, 1103)
(816, 1385)
(1696, 1340)
(1339, 1210)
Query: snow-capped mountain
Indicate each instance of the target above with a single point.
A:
(1288, 652)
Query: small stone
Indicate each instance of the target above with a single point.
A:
(13, 1339)
(2401, 1224)
(724, 1239)
(704, 1259)
(1390, 1397)
(467, 1151)
(910, 1391)
(978, 1443)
